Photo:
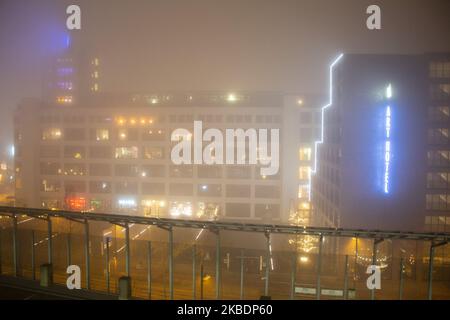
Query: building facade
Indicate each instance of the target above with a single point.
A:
(381, 162)
(113, 154)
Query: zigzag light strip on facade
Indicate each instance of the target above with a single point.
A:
(316, 143)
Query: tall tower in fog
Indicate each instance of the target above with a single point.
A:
(72, 76)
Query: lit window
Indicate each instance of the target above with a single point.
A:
(130, 134)
(64, 99)
(305, 154)
(126, 203)
(207, 210)
(153, 153)
(64, 71)
(304, 205)
(74, 169)
(304, 173)
(102, 134)
(50, 186)
(126, 153)
(76, 203)
(122, 134)
(209, 190)
(51, 134)
(153, 135)
(178, 208)
(51, 204)
(303, 191)
(180, 137)
(439, 69)
(153, 208)
(65, 85)
(75, 152)
(99, 187)
(97, 204)
(152, 100)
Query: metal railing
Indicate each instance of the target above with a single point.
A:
(218, 228)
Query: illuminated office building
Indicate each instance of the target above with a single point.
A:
(383, 160)
(112, 154)
(80, 148)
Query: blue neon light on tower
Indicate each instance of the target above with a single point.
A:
(387, 144)
(67, 41)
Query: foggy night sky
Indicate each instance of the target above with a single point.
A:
(151, 45)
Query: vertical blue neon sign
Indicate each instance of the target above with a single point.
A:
(387, 144)
(67, 41)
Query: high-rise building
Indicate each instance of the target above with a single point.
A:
(383, 159)
(82, 149)
(304, 123)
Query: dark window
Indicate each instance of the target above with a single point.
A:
(99, 169)
(238, 191)
(267, 210)
(237, 210)
(153, 189)
(180, 189)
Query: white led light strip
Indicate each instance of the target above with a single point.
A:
(316, 143)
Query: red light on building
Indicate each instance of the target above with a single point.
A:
(76, 203)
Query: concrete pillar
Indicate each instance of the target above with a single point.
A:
(124, 288)
(194, 272)
(33, 257)
(46, 278)
(1, 251)
(50, 240)
(87, 255)
(319, 268)
(15, 249)
(170, 251)
(218, 266)
(127, 250)
(268, 261)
